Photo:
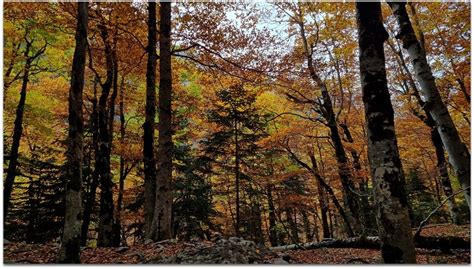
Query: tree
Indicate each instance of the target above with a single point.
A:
(69, 251)
(326, 110)
(192, 203)
(420, 198)
(428, 120)
(240, 126)
(149, 125)
(105, 132)
(38, 202)
(387, 174)
(459, 156)
(161, 227)
(30, 56)
(92, 181)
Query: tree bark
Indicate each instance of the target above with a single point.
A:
(161, 226)
(106, 212)
(459, 156)
(69, 251)
(149, 125)
(387, 174)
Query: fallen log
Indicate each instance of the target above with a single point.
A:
(369, 242)
(372, 242)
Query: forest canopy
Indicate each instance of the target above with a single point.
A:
(279, 123)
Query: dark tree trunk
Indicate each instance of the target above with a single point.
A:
(106, 212)
(273, 236)
(324, 204)
(116, 225)
(350, 198)
(331, 226)
(459, 155)
(69, 251)
(17, 132)
(444, 176)
(320, 180)
(91, 195)
(88, 208)
(387, 174)
(314, 171)
(149, 125)
(123, 172)
(161, 226)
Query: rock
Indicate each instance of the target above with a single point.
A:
(279, 261)
(224, 251)
(167, 241)
(121, 249)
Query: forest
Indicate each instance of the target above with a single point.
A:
(236, 133)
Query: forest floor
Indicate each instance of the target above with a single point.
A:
(23, 253)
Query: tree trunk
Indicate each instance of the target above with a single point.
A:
(387, 174)
(123, 172)
(350, 198)
(17, 132)
(161, 225)
(320, 180)
(88, 208)
(459, 156)
(324, 204)
(435, 139)
(116, 224)
(149, 125)
(69, 251)
(365, 216)
(106, 212)
(444, 177)
(373, 242)
(91, 195)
